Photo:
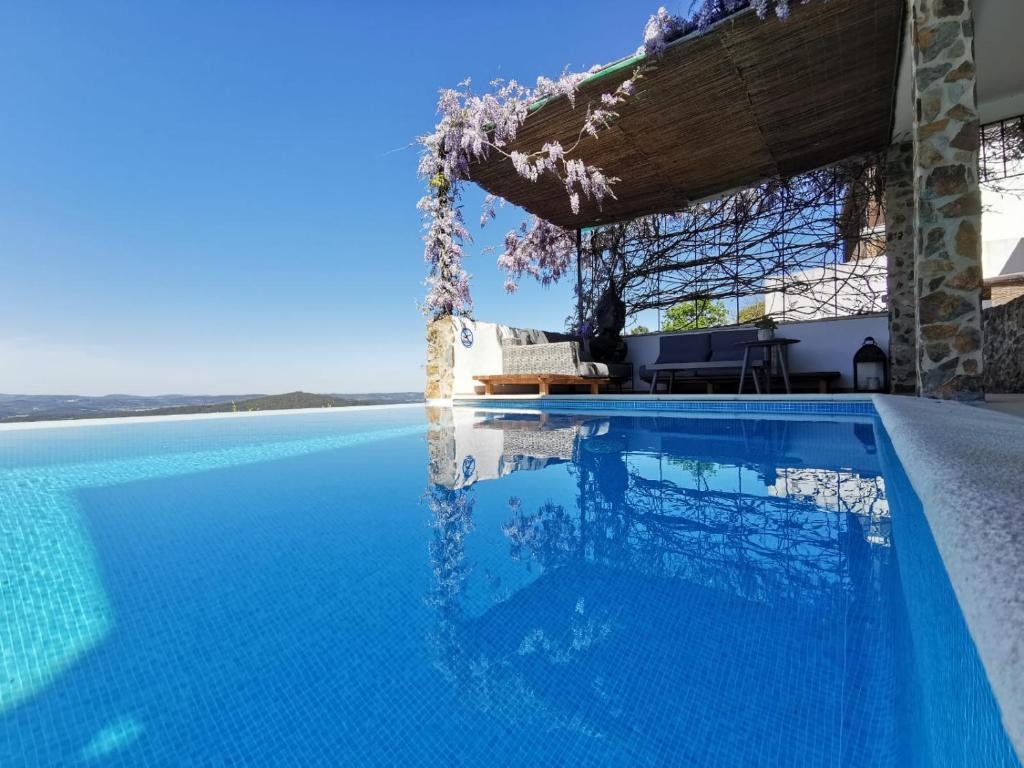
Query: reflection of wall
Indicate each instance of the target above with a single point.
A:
(1002, 227)
(460, 454)
(839, 492)
(467, 446)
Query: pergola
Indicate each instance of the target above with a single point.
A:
(745, 101)
(750, 100)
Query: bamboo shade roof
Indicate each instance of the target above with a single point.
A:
(749, 99)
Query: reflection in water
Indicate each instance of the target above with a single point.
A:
(724, 502)
(116, 735)
(452, 511)
(751, 530)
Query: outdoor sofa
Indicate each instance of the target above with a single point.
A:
(706, 358)
(545, 358)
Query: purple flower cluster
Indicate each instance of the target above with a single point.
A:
(475, 127)
(663, 28)
(539, 249)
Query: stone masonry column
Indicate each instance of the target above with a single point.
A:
(947, 201)
(899, 252)
(440, 359)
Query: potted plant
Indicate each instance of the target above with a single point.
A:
(766, 328)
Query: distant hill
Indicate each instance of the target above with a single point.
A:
(20, 408)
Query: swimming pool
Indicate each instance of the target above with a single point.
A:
(410, 586)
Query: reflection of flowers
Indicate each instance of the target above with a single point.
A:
(584, 632)
(453, 519)
(548, 536)
(494, 682)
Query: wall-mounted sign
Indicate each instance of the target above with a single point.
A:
(467, 337)
(468, 467)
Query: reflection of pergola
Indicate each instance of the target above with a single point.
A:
(751, 100)
(692, 568)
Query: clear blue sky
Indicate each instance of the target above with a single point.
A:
(218, 197)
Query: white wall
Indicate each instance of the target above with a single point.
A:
(854, 287)
(1002, 228)
(825, 345)
(483, 357)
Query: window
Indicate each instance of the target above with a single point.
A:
(1002, 149)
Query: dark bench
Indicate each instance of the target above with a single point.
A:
(820, 380)
(710, 357)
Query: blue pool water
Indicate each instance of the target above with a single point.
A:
(476, 588)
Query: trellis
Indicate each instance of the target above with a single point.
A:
(768, 239)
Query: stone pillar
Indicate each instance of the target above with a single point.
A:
(899, 252)
(440, 359)
(947, 201)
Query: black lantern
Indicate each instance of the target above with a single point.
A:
(870, 368)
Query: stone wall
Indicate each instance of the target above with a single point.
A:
(899, 251)
(947, 212)
(440, 359)
(1004, 347)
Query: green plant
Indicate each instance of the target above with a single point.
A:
(691, 315)
(751, 313)
(766, 323)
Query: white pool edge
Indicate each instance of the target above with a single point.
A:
(966, 465)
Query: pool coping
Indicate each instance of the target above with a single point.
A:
(966, 465)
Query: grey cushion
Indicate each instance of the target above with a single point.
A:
(593, 369)
(686, 348)
(682, 370)
(613, 370)
(527, 336)
(550, 337)
(725, 346)
(620, 370)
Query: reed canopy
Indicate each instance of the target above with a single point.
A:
(745, 101)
